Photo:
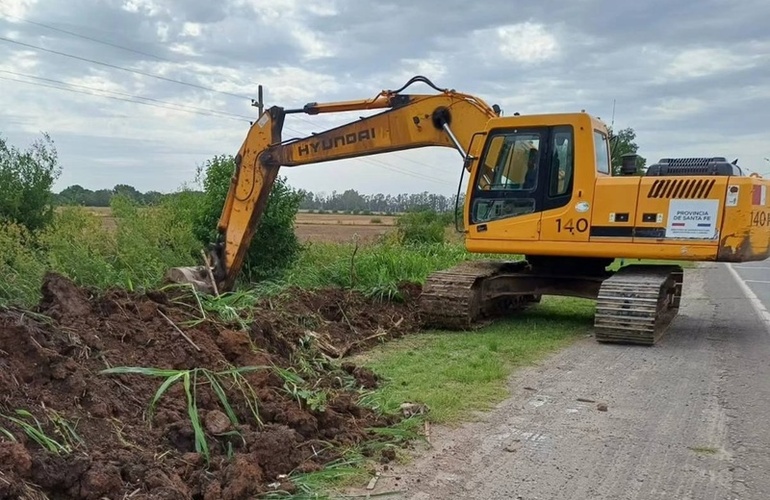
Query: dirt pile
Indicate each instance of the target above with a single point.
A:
(237, 410)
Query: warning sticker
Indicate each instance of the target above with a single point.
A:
(692, 219)
(759, 195)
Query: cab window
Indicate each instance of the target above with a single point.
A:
(602, 152)
(511, 162)
(562, 162)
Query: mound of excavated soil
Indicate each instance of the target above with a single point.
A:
(50, 366)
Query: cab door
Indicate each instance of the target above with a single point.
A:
(507, 196)
(566, 207)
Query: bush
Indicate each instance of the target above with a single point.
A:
(275, 246)
(143, 246)
(424, 226)
(26, 178)
(22, 266)
(376, 220)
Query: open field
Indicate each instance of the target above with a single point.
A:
(341, 228)
(322, 228)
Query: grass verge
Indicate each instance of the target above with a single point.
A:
(686, 264)
(374, 269)
(458, 373)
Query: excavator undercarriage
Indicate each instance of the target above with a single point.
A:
(633, 305)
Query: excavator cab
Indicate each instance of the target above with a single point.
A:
(526, 169)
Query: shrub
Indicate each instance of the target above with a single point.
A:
(145, 244)
(376, 220)
(21, 267)
(275, 246)
(78, 246)
(424, 226)
(26, 178)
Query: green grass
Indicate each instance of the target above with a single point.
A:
(625, 262)
(192, 380)
(33, 428)
(375, 269)
(458, 373)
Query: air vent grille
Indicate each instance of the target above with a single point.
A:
(681, 188)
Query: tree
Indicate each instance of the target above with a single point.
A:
(26, 178)
(275, 246)
(622, 144)
(127, 191)
(73, 195)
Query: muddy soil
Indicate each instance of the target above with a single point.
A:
(108, 444)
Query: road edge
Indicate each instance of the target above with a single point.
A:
(759, 308)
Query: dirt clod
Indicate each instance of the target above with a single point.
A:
(217, 422)
(601, 407)
(53, 369)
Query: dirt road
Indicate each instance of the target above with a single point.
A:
(687, 419)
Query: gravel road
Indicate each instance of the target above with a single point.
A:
(686, 419)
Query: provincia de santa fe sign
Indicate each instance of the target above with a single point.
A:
(692, 219)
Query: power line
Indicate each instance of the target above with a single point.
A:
(181, 106)
(38, 84)
(123, 47)
(405, 158)
(85, 37)
(114, 66)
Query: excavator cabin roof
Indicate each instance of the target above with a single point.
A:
(551, 119)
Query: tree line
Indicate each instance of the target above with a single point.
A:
(350, 201)
(354, 202)
(78, 195)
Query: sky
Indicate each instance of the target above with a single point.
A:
(691, 78)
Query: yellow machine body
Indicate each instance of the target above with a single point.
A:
(579, 209)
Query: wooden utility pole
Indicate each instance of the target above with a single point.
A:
(259, 102)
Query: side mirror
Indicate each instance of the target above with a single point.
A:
(467, 163)
(628, 167)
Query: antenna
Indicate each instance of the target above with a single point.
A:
(612, 125)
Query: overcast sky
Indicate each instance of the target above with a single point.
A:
(692, 78)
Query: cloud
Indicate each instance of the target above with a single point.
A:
(688, 77)
(525, 43)
(700, 62)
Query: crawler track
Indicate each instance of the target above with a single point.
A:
(634, 305)
(637, 304)
(453, 298)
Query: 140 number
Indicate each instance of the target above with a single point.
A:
(760, 218)
(581, 226)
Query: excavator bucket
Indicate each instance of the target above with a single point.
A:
(199, 277)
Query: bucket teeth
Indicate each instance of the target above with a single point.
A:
(637, 304)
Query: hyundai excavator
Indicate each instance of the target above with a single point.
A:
(540, 186)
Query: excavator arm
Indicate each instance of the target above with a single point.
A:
(446, 118)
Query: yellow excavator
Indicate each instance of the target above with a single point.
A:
(541, 186)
